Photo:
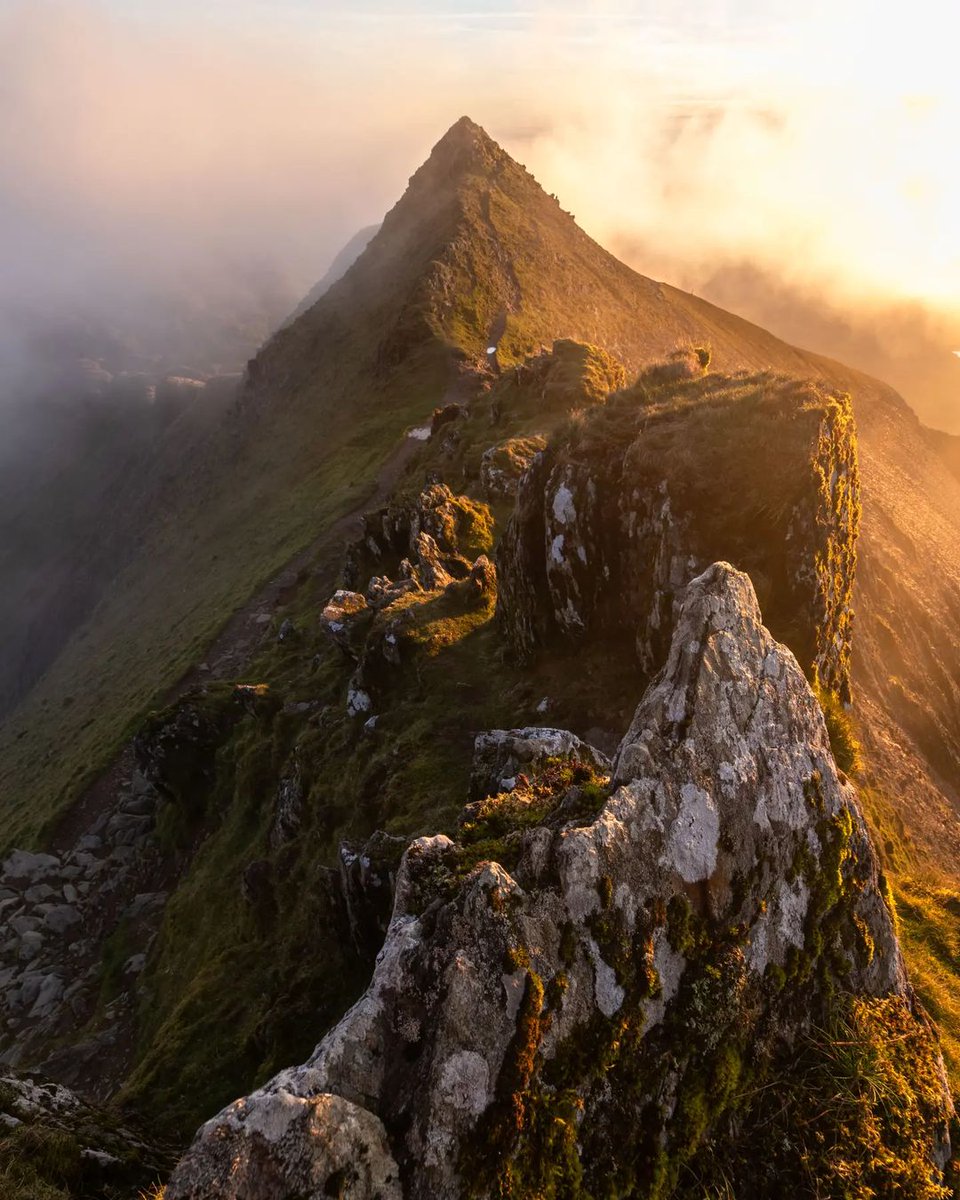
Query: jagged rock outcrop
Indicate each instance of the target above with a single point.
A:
(398, 631)
(614, 519)
(435, 543)
(429, 539)
(659, 989)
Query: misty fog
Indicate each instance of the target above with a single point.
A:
(170, 192)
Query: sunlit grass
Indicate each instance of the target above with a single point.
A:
(927, 915)
(929, 928)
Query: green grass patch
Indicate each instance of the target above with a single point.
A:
(841, 729)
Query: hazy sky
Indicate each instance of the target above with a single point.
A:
(831, 134)
(146, 141)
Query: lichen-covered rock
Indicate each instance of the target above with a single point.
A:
(273, 1146)
(614, 518)
(651, 995)
(522, 588)
(359, 700)
(500, 755)
(574, 536)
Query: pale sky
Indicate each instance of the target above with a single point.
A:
(817, 138)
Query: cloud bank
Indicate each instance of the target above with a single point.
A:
(188, 165)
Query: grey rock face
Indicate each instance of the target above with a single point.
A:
(606, 535)
(425, 535)
(713, 908)
(500, 755)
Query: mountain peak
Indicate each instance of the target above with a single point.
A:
(465, 134)
(465, 148)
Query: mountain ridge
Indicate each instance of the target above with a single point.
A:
(474, 246)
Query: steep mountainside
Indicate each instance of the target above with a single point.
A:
(80, 489)
(337, 269)
(214, 902)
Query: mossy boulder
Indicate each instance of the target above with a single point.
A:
(502, 466)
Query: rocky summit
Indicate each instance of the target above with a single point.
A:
(533, 708)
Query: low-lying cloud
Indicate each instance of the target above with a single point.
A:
(158, 174)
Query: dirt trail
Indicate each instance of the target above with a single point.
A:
(236, 643)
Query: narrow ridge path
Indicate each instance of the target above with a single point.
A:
(231, 650)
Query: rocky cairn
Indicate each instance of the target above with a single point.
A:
(610, 988)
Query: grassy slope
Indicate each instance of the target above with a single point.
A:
(474, 238)
(213, 547)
